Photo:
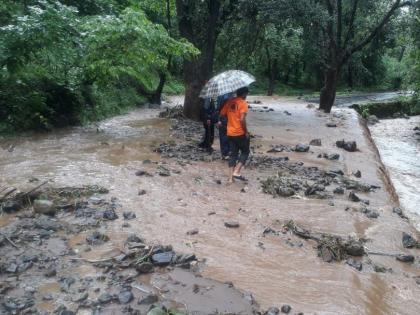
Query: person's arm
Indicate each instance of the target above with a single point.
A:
(243, 122)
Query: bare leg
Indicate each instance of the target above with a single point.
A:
(237, 169)
(231, 170)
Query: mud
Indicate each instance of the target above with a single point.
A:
(278, 268)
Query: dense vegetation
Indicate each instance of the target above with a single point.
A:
(68, 62)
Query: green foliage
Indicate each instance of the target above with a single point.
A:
(61, 66)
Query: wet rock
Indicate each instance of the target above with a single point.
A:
(44, 207)
(331, 125)
(272, 311)
(97, 238)
(302, 147)
(339, 190)
(105, 298)
(354, 248)
(50, 273)
(134, 239)
(149, 299)
(399, 211)
(80, 297)
(353, 197)
(326, 254)
(142, 192)
(162, 259)
(315, 142)
(143, 173)
(286, 309)
(408, 241)
(125, 297)
(110, 214)
(16, 305)
(66, 283)
(357, 174)
(192, 232)
(371, 214)
(380, 269)
(186, 258)
(405, 258)
(47, 224)
(129, 215)
(287, 113)
(372, 119)
(349, 146)
(354, 263)
(231, 224)
(332, 156)
(11, 206)
(145, 267)
(163, 171)
(48, 297)
(12, 268)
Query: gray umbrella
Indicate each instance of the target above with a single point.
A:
(226, 82)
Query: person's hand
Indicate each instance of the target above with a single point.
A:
(208, 122)
(248, 135)
(219, 124)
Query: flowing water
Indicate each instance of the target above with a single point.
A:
(399, 147)
(276, 269)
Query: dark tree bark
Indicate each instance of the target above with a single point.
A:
(198, 70)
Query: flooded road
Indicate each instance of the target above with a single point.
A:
(399, 147)
(277, 269)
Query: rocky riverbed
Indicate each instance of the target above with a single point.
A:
(315, 229)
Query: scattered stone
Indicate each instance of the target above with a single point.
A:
(97, 238)
(354, 248)
(162, 259)
(231, 224)
(81, 297)
(50, 273)
(192, 232)
(129, 215)
(143, 173)
(211, 213)
(326, 253)
(272, 311)
(371, 214)
(349, 146)
(110, 214)
(286, 309)
(47, 224)
(134, 239)
(405, 258)
(66, 283)
(287, 113)
(149, 299)
(408, 241)
(105, 298)
(357, 174)
(399, 211)
(353, 197)
(339, 190)
(145, 267)
(380, 269)
(9, 206)
(302, 148)
(125, 297)
(354, 263)
(163, 171)
(331, 125)
(315, 142)
(142, 192)
(12, 268)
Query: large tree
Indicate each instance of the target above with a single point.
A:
(343, 28)
(201, 22)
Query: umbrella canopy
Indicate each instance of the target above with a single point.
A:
(226, 82)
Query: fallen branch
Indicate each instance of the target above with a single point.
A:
(7, 194)
(141, 259)
(10, 241)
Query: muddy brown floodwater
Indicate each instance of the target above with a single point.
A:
(277, 269)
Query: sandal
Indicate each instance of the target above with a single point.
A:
(240, 177)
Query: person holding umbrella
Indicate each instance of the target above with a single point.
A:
(236, 110)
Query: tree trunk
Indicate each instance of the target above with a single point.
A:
(327, 97)
(198, 70)
(156, 97)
